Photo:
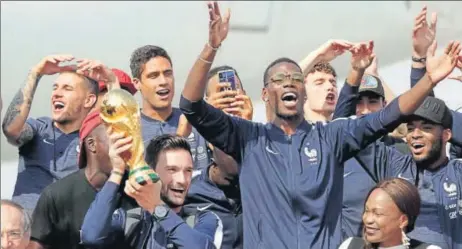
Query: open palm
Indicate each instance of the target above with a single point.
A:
(362, 55)
(332, 49)
(459, 65)
(50, 64)
(423, 34)
(218, 26)
(438, 68)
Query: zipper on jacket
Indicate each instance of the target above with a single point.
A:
(293, 193)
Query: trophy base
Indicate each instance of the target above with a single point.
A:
(140, 175)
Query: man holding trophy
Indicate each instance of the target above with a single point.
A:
(159, 224)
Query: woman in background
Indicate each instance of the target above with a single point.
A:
(389, 214)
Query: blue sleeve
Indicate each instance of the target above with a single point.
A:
(346, 103)
(416, 75)
(39, 126)
(96, 227)
(347, 136)
(456, 128)
(182, 235)
(381, 161)
(210, 224)
(229, 134)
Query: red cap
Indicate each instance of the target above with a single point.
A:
(124, 80)
(92, 121)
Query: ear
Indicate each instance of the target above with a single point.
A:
(403, 221)
(447, 135)
(90, 144)
(90, 101)
(264, 94)
(136, 83)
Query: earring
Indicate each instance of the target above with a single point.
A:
(406, 240)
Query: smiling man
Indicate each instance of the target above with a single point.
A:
(48, 146)
(294, 166)
(153, 76)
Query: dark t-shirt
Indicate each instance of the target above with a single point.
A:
(60, 211)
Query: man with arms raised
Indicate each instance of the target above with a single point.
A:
(48, 147)
(294, 167)
(62, 205)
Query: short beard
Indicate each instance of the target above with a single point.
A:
(288, 117)
(62, 122)
(433, 155)
(169, 203)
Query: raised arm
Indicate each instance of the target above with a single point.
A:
(351, 135)
(221, 130)
(362, 57)
(96, 228)
(325, 53)
(14, 125)
(423, 36)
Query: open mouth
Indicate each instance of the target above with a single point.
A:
(417, 147)
(178, 190)
(58, 105)
(330, 98)
(163, 92)
(289, 99)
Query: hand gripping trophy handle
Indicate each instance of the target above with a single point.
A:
(120, 111)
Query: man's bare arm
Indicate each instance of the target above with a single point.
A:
(194, 89)
(325, 53)
(14, 123)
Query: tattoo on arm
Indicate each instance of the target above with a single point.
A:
(27, 133)
(16, 115)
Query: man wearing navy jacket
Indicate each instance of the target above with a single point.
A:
(291, 171)
(159, 224)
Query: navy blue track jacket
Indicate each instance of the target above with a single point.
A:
(205, 195)
(104, 225)
(291, 186)
(381, 161)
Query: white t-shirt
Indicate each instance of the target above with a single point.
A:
(347, 242)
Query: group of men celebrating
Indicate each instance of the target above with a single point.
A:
(300, 180)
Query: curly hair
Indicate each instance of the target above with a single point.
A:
(324, 67)
(142, 55)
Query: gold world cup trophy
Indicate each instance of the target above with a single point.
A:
(120, 111)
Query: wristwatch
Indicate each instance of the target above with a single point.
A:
(421, 60)
(160, 212)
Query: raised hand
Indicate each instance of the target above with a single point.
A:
(332, 49)
(373, 68)
(147, 196)
(459, 65)
(423, 34)
(362, 55)
(50, 64)
(95, 70)
(222, 99)
(438, 68)
(245, 106)
(119, 149)
(218, 25)
(184, 127)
